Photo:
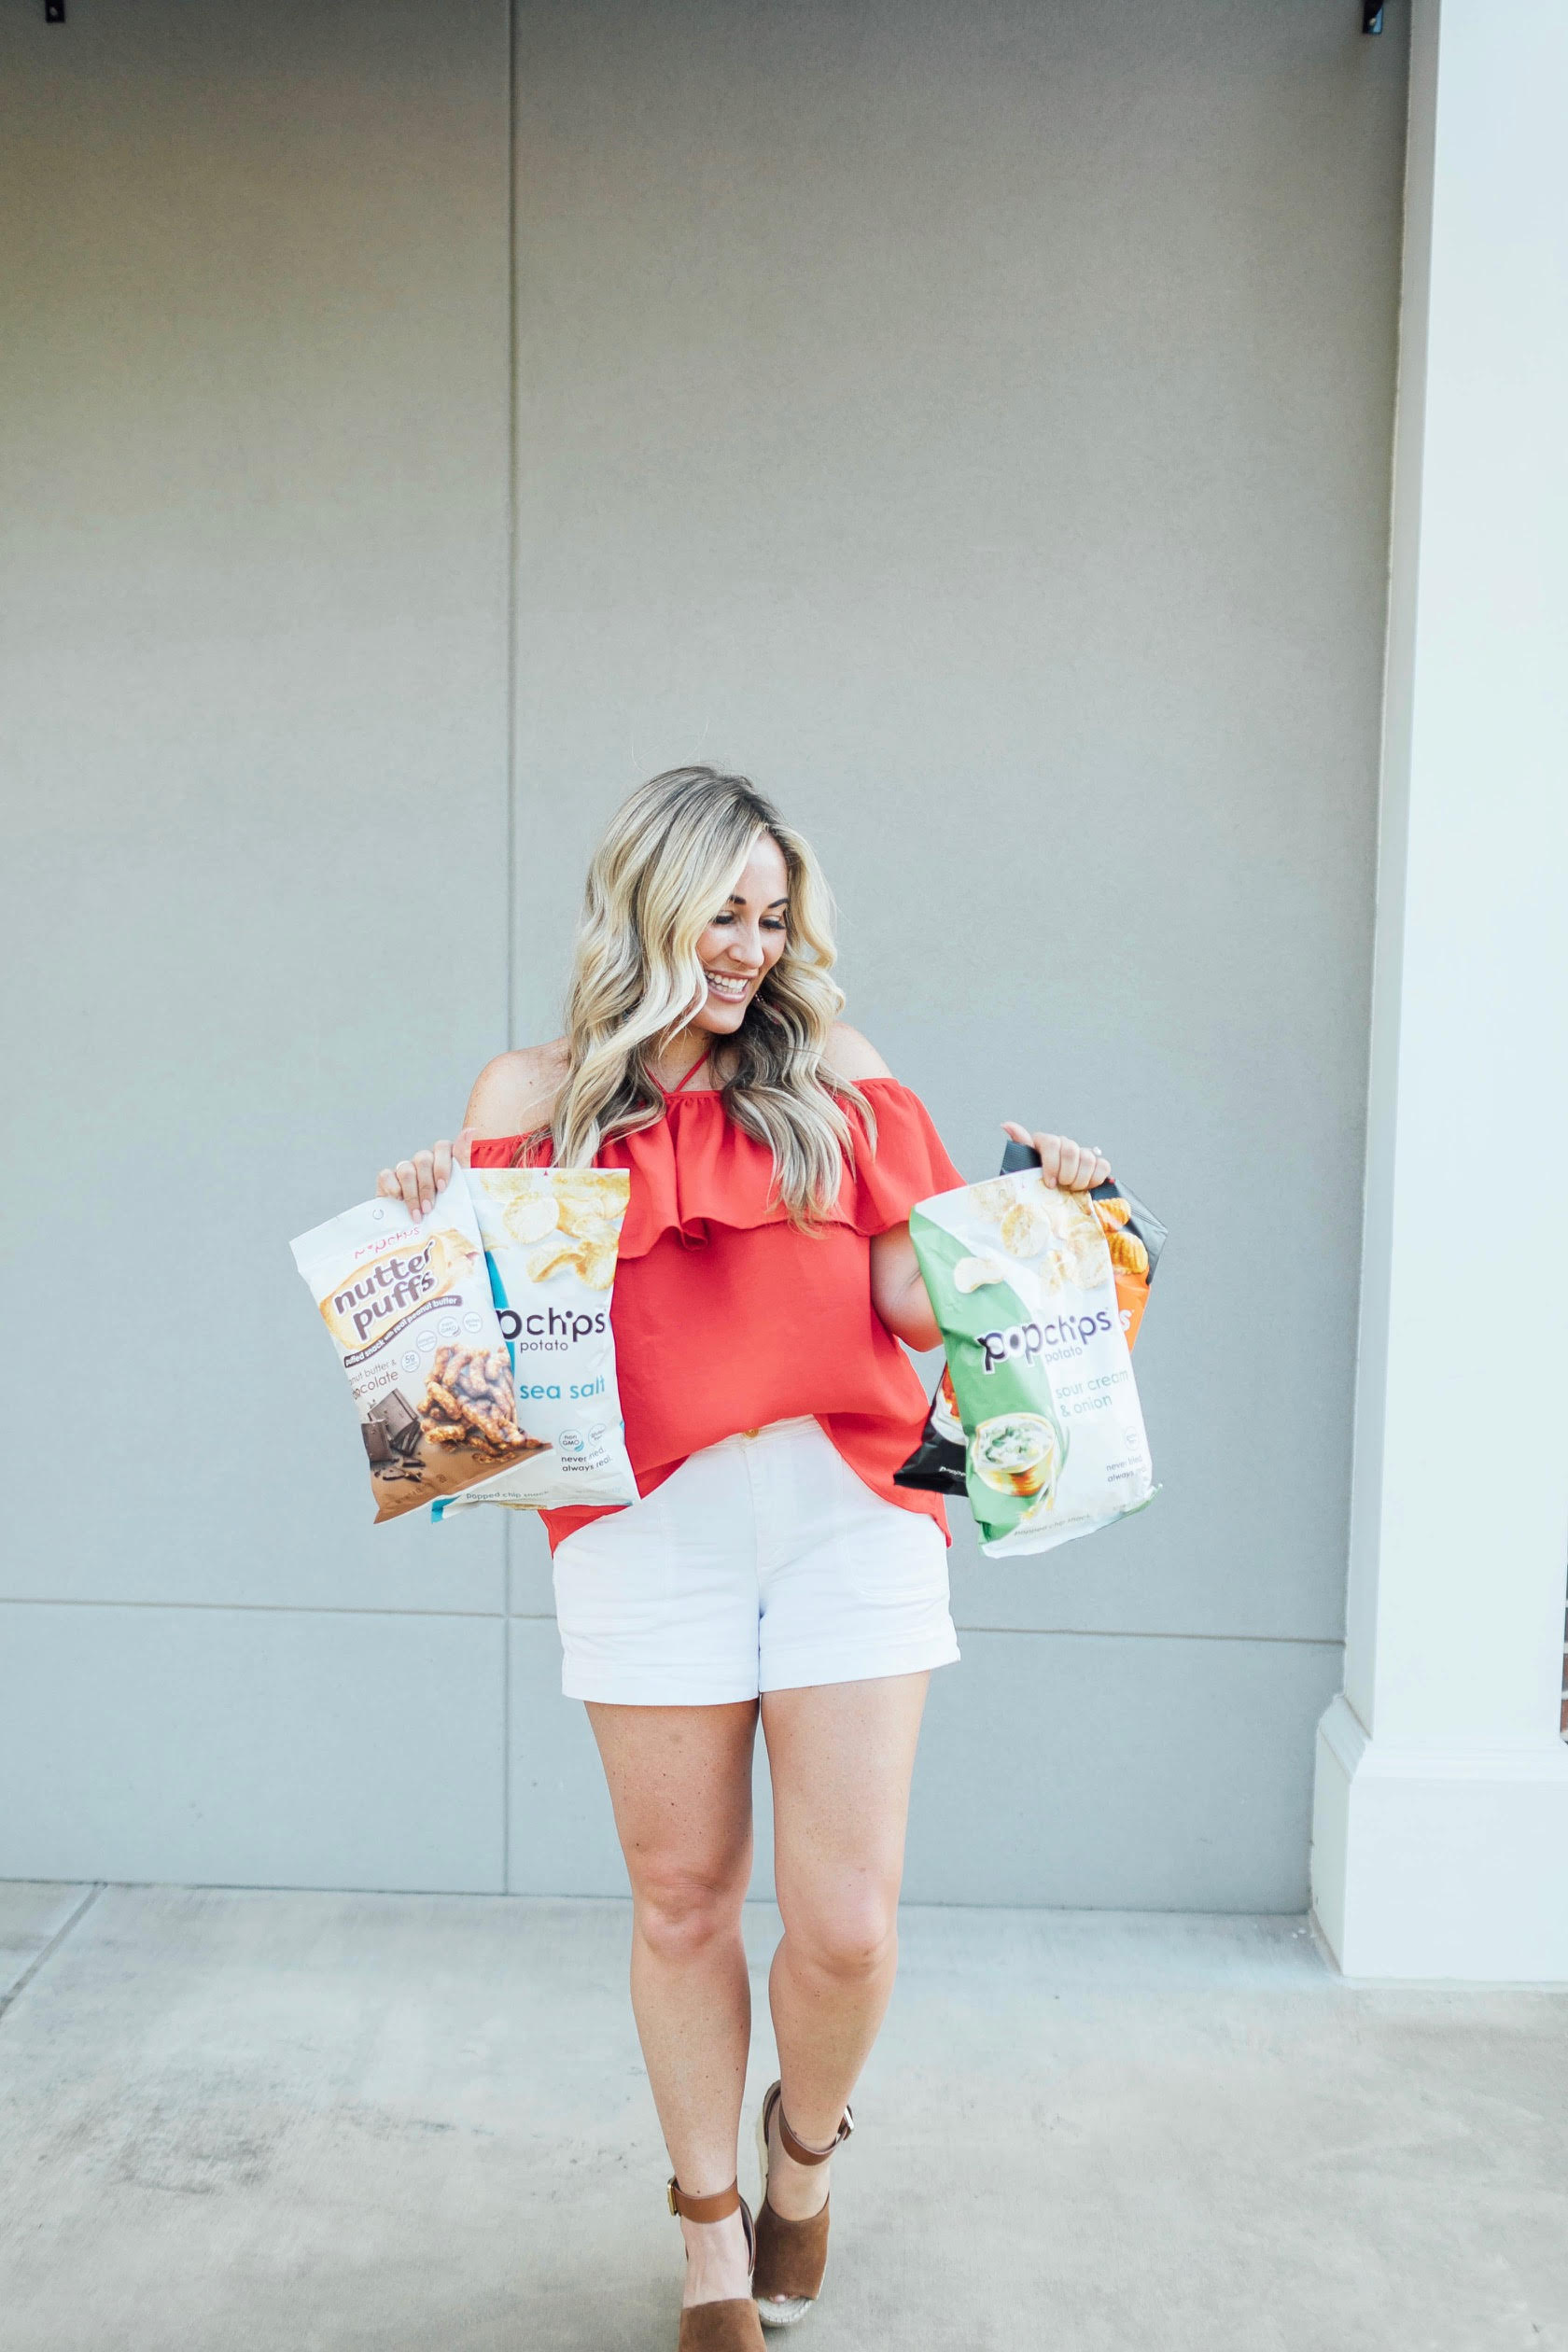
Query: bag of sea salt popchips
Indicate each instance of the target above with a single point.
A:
(1038, 1293)
(550, 1237)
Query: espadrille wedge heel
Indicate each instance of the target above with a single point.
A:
(791, 2256)
(729, 2326)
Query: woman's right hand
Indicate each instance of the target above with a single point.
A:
(417, 1181)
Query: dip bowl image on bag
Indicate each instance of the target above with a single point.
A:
(1038, 1294)
(550, 1237)
(408, 1306)
(1017, 1453)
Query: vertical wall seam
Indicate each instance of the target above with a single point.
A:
(512, 532)
(510, 773)
(1390, 852)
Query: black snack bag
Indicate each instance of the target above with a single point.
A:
(1136, 1238)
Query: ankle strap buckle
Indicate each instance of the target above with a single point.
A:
(716, 2207)
(797, 2148)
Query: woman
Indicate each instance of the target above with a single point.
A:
(772, 1568)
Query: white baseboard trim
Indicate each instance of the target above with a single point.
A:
(1444, 1860)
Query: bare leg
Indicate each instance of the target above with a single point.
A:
(681, 1782)
(841, 1755)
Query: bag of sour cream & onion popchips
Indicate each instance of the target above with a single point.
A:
(1038, 1293)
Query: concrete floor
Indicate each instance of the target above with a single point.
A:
(319, 2122)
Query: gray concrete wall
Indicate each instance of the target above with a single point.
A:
(254, 442)
(975, 423)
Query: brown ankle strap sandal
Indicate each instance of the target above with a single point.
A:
(791, 2256)
(729, 2326)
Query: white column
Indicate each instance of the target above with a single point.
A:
(1440, 1826)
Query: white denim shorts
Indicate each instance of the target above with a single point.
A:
(762, 1564)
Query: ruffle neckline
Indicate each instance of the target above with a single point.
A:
(694, 1172)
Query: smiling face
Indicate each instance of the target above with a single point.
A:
(745, 939)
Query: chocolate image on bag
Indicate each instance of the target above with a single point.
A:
(550, 1235)
(1038, 1294)
(408, 1305)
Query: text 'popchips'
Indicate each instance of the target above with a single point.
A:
(550, 1237)
(407, 1302)
(1038, 1293)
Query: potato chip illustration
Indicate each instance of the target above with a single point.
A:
(1089, 1264)
(597, 1263)
(993, 1198)
(974, 1273)
(1071, 1217)
(1022, 1233)
(532, 1217)
(551, 1259)
(576, 1216)
(1128, 1250)
(589, 1200)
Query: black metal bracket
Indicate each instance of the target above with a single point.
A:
(1371, 16)
(54, 12)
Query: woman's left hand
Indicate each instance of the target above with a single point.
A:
(1072, 1166)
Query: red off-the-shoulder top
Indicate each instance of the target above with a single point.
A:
(727, 1317)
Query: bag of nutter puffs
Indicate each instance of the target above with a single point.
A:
(1038, 1294)
(407, 1302)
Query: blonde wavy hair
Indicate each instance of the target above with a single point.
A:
(666, 868)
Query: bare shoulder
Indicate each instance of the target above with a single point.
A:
(853, 1056)
(516, 1092)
